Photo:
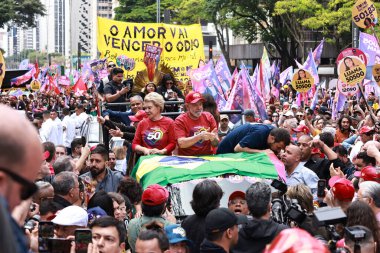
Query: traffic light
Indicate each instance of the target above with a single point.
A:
(210, 50)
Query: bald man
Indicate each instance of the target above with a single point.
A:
(296, 173)
(20, 160)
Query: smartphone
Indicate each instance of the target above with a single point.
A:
(82, 238)
(59, 245)
(45, 231)
(321, 188)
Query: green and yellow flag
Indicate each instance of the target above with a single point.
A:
(164, 170)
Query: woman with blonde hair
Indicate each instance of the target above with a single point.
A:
(154, 134)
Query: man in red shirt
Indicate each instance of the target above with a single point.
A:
(196, 130)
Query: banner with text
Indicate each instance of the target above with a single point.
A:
(182, 46)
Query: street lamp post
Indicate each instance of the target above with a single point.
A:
(158, 11)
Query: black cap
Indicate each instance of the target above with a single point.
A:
(219, 220)
(249, 112)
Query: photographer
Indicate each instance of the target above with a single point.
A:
(116, 90)
(259, 229)
(365, 242)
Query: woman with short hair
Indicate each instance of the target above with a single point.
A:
(154, 134)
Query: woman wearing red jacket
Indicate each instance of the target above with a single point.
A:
(155, 134)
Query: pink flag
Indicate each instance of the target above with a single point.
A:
(317, 53)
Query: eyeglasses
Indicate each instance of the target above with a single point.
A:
(111, 66)
(28, 188)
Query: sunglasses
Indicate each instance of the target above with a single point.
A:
(111, 66)
(28, 188)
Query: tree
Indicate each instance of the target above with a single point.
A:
(293, 13)
(21, 12)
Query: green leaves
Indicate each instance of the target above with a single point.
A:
(21, 12)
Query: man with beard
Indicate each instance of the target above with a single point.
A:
(344, 130)
(196, 130)
(255, 138)
(100, 177)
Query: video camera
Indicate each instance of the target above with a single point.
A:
(284, 209)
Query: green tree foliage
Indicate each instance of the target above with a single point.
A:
(20, 12)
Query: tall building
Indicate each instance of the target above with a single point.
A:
(66, 24)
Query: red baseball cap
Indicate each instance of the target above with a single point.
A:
(342, 188)
(139, 116)
(370, 173)
(366, 129)
(155, 195)
(236, 194)
(193, 97)
(302, 128)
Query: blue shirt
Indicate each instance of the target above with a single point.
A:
(252, 136)
(303, 175)
(123, 116)
(109, 183)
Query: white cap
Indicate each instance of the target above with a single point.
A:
(294, 106)
(289, 114)
(71, 216)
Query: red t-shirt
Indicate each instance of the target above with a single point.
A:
(187, 127)
(155, 134)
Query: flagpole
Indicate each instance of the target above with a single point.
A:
(365, 101)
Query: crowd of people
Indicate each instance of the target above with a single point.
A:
(50, 176)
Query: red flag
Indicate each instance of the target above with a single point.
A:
(79, 86)
(37, 70)
(53, 86)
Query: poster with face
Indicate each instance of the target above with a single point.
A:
(302, 80)
(376, 73)
(364, 13)
(352, 51)
(351, 70)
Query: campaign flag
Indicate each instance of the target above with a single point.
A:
(338, 104)
(310, 66)
(258, 100)
(223, 74)
(315, 98)
(164, 170)
(234, 77)
(37, 69)
(317, 53)
(64, 80)
(205, 80)
(79, 87)
(24, 64)
(24, 78)
(299, 65)
(286, 75)
(265, 66)
(368, 44)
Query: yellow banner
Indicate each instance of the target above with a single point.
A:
(2, 68)
(182, 46)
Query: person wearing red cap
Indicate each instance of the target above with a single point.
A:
(154, 134)
(196, 130)
(237, 203)
(153, 204)
(341, 193)
(366, 134)
(369, 173)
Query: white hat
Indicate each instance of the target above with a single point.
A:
(289, 114)
(294, 106)
(71, 216)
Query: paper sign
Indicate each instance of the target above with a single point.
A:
(302, 80)
(364, 13)
(352, 52)
(347, 90)
(351, 70)
(35, 85)
(376, 73)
